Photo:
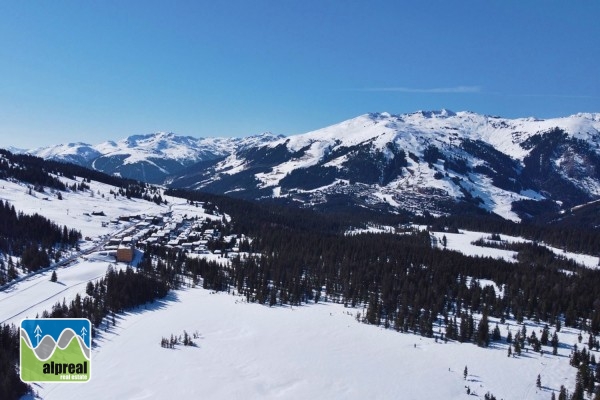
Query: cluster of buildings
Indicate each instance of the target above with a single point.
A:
(192, 235)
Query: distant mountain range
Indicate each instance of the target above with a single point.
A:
(438, 162)
(150, 158)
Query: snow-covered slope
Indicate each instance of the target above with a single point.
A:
(76, 153)
(434, 161)
(251, 351)
(150, 157)
(422, 161)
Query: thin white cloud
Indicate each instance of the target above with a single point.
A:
(456, 89)
(563, 96)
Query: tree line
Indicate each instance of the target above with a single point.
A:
(33, 238)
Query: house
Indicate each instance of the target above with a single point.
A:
(127, 240)
(125, 253)
(174, 242)
(113, 244)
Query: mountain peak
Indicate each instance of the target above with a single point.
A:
(443, 113)
(591, 116)
(422, 161)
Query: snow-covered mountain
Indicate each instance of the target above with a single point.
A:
(424, 161)
(427, 161)
(150, 157)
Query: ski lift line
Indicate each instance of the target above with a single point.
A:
(50, 297)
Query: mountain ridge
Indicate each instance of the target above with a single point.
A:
(426, 161)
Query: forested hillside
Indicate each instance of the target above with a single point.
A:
(402, 280)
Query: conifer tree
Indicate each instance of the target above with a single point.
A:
(53, 278)
(554, 342)
(580, 383)
(496, 336)
(483, 331)
(517, 345)
(545, 335)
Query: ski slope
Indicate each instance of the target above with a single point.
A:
(251, 351)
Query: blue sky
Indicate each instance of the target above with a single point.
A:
(97, 70)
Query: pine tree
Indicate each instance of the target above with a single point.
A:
(538, 382)
(483, 331)
(53, 278)
(496, 336)
(517, 345)
(562, 395)
(534, 342)
(554, 342)
(545, 335)
(578, 393)
(449, 329)
(465, 372)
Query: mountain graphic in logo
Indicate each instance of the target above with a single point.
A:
(56, 350)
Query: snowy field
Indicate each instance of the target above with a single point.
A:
(462, 242)
(251, 351)
(76, 208)
(35, 294)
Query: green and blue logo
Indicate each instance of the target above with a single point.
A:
(56, 350)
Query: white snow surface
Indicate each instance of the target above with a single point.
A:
(31, 297)
(462, 242)
(417, 130)
(413, 133)
(159, 145)
(76, 208)
(316, 351)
